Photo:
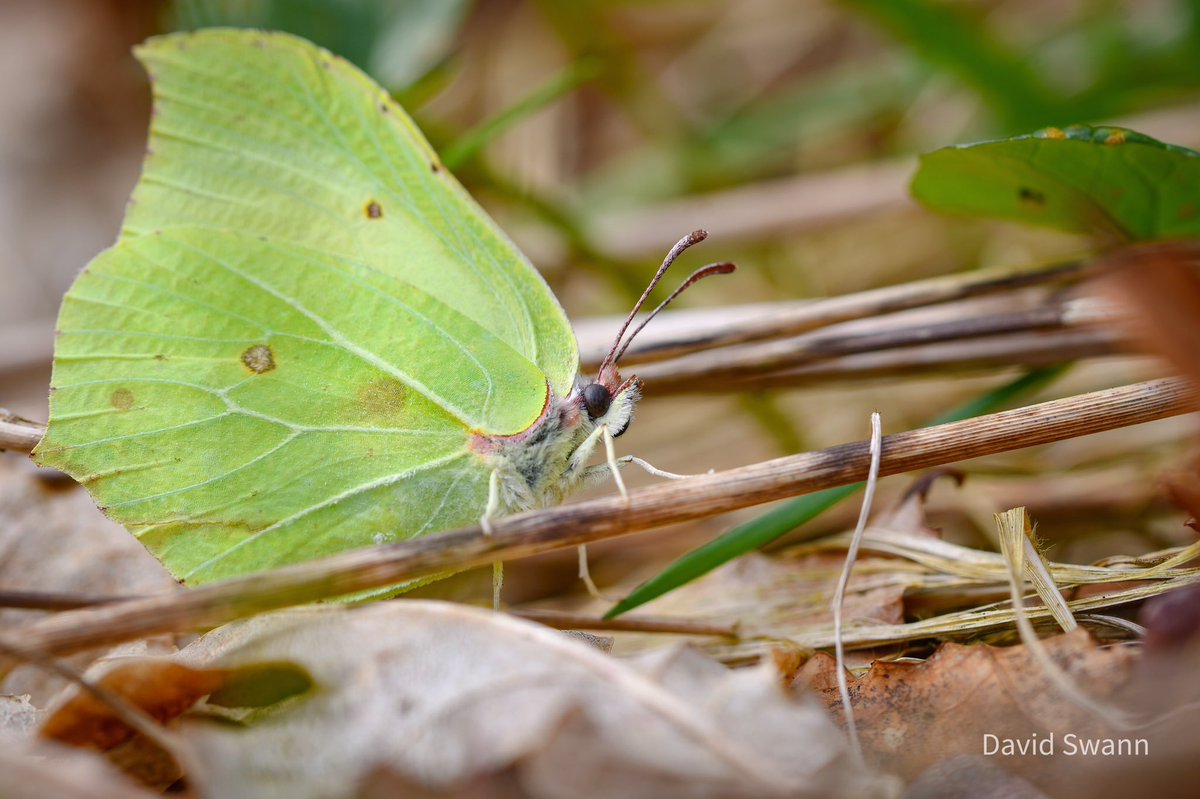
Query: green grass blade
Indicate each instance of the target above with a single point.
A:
(790, 515)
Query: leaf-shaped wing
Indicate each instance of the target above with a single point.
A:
(304, 321)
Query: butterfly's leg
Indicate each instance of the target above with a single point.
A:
(595, 474)
(585, 575)
(611, 459)
(489, 513)
(655, 470)
(610, 466)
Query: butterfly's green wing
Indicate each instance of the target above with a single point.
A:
(304, 321)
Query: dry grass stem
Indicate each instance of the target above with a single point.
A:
(1015, 536)
(680, 332)
(1021, 338)
(642, 624)
(19, 435)
(839, 593)
(1025, 350)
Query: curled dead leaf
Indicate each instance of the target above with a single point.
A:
(439, 695)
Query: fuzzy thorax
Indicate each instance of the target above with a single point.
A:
(542, 465)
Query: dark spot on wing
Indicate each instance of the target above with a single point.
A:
(1031, 196)
(383, 107)
(383, 397)
(373, 210)
(122, 399)
(435, 167)
(259, 359)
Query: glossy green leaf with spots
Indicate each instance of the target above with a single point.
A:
(1110, 182)
(306, 329)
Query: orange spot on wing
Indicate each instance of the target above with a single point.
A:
(384, 397)
(122, 399)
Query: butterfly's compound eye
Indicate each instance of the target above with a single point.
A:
(597, 399)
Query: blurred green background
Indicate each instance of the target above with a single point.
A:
(597, 133)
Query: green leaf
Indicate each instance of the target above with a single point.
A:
(1081, 179)
(761, 531)
(304, 328)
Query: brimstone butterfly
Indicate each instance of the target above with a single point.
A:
(308, 337)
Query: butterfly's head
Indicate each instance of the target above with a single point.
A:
(608, 399)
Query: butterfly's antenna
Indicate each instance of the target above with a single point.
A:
(699, 274)
(695, 237)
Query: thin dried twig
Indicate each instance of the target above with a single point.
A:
(839, 594)
(53, 601)
(1026, 350)
(579, 523)
(19, 435)
(971, 335)
(640, 624)
(681, 332)
(558, 619)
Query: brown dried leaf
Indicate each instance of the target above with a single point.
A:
(442, 695)
(912, 715)
(160, 688)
